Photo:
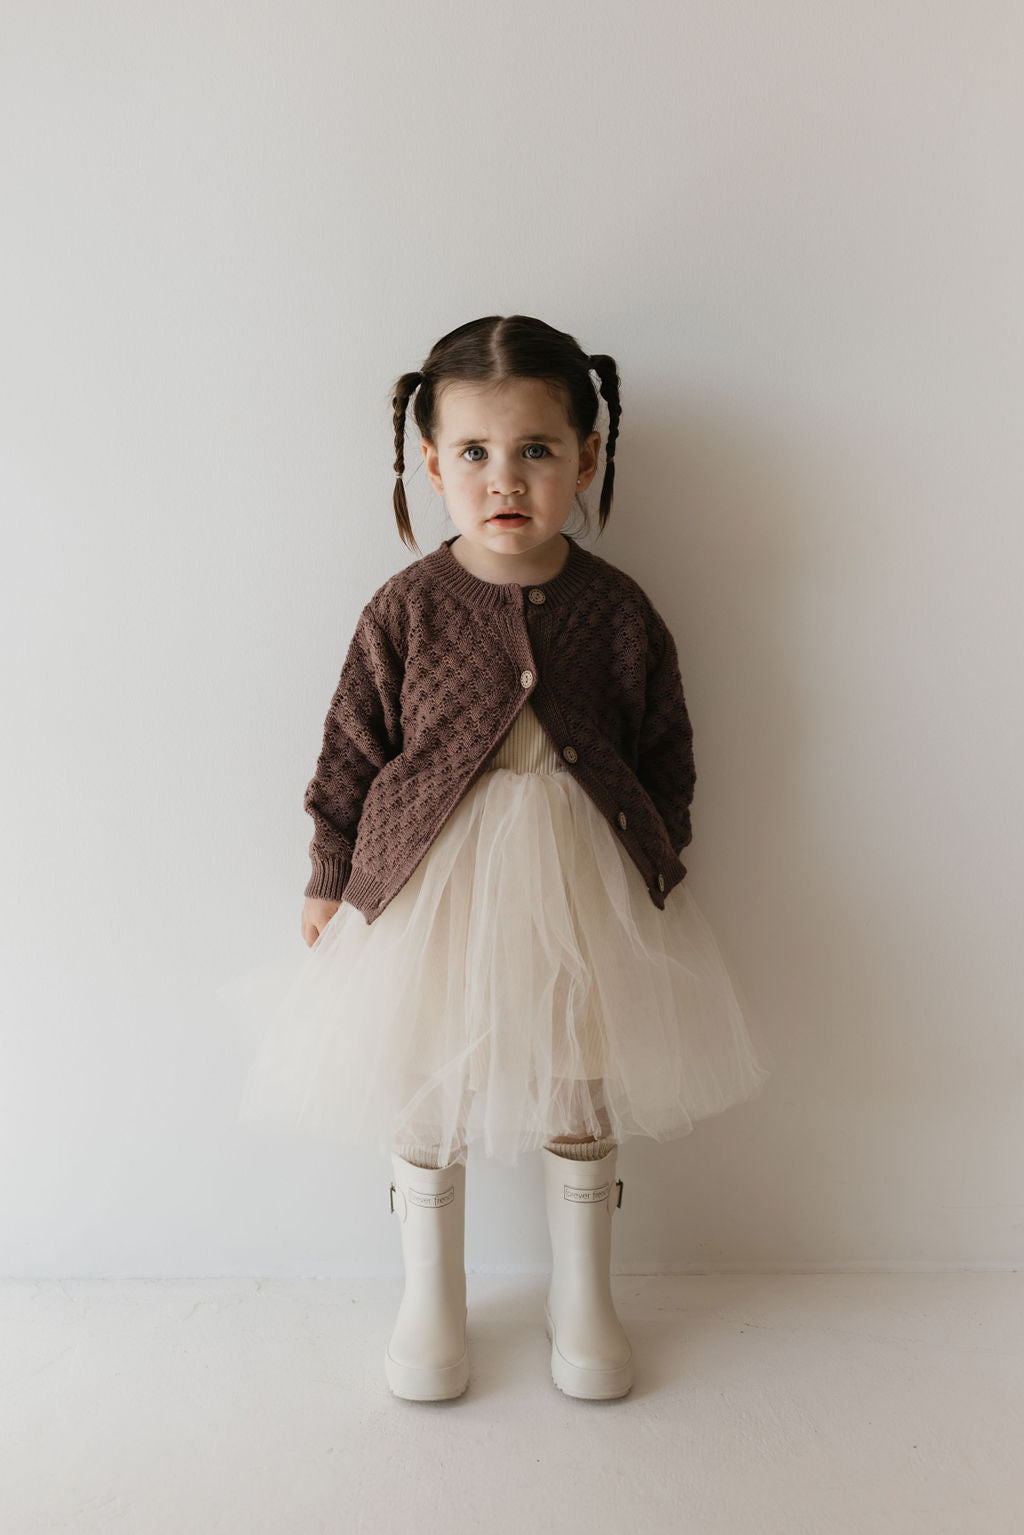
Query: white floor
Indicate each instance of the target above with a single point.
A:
(803, 1404)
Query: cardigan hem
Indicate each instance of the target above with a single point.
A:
(371, 896)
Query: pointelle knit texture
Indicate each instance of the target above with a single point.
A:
(439, 666)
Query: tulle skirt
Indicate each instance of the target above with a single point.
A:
(521, 985)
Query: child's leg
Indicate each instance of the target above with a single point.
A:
(430, 1156)
(590, 1353)
(427, 1357)
(579, 1146)
(424, 1149)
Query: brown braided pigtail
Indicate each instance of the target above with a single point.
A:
(604, 367)
(404, 390)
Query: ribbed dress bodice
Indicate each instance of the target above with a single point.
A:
(527, 748)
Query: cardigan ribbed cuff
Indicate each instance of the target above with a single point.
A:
(329, 878)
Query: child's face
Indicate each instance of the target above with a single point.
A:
(507, 447)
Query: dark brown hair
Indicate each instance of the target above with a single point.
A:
(494, 349)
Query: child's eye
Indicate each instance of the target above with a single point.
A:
(475, 448)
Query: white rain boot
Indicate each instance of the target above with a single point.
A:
(427, 1358)
(591, 1356)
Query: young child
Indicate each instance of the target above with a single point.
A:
(501, 945)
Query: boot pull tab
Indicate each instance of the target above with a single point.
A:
(618, 1203)
(403, 1211)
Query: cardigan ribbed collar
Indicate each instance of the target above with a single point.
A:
(455, 578)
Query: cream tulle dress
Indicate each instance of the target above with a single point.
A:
(522, 984)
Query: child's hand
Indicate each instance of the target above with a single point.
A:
(315, 916)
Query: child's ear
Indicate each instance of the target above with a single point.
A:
(430, 458)
(589, 459)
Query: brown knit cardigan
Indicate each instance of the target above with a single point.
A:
(441, 663)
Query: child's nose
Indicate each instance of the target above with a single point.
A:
(507, 483)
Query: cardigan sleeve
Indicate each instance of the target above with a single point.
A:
(362, 732)
(665, 752)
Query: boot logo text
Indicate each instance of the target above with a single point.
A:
(585, 1196)
(430, 1201)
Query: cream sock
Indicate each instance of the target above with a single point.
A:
(429, 1156)
(582, 1151)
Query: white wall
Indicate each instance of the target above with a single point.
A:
(798, 229)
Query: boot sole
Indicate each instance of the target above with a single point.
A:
(586, 1384)
(415, 1383)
